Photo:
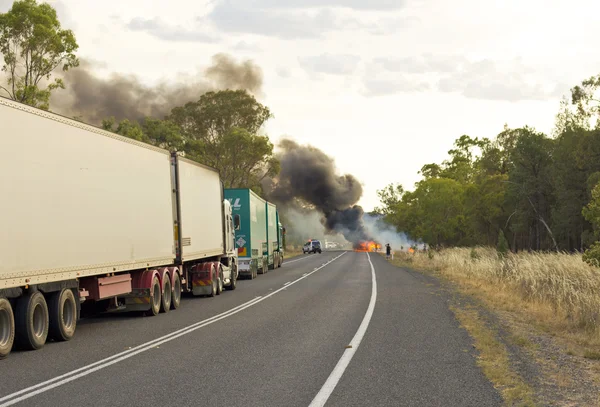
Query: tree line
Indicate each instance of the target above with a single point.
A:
(521, 188)
(220, 129)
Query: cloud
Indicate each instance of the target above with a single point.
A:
(330, 64)
(510, 80)
(283, 72)
(494, 80)
(377, 5)
(426, 63)
(157, 28)
(287, 25)
(246, 46)
(383, 87)
(307, 19)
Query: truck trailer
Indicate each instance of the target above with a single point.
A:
(95, 221)
(274, 237)
(259, 238)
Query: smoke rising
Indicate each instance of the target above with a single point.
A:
(125, 97)
(308, 178)
(384, 233)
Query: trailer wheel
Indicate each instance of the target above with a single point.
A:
(63, 315)
(220, 282)
(155, 298)
(176, 298)
(234, 277)
(213, 285)
(31, 321)
(167, 294)
(7, 328)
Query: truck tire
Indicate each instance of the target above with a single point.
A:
(167, 295)
(63, 315)
(7, 327)
(155, 298)
(213, 285)
(220, 283)
(176, 298)
(31, 321)
(234, 277)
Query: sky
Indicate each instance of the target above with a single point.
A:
(382, 86)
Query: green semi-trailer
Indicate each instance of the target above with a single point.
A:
(258, 232)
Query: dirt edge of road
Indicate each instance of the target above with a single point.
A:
(528, 366)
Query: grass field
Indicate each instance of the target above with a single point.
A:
(556, 290)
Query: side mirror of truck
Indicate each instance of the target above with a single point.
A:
(236, 222)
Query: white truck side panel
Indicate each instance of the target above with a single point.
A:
(77, 200)
(201, 211)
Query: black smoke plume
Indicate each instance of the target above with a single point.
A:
(125, 97)
(308, 177)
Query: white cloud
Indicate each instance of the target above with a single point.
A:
(384, 87)
(341, 64)
(385, 5)
(424, 63)
(159, 29)
(282, 24)
(487, 79)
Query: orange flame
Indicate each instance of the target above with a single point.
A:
(369, 246)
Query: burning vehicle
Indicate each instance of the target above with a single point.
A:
(367, 246)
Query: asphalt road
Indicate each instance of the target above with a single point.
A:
(278, 340)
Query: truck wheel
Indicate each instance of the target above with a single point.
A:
(176, 299)
(7, 328)
(63, 315)
(155, 298)
(234, 276)
(213, 286)
(167, 295)
(31, 321)
(220, 284)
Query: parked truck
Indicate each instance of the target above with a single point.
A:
(274, 237)
(93, 220)
(258, 232)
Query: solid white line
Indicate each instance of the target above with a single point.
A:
(86, 370)
(335, 376)
(295, 260)
(143, 345)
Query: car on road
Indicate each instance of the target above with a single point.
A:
(314, 246)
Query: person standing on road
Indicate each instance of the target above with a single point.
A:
(388, 250)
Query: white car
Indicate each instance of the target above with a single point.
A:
(314, 246)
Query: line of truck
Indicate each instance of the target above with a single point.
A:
(96, 222)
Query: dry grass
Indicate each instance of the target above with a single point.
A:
(494, 360)
(292, 253)
(557, 292)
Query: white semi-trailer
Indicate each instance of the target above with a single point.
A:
(93, 220)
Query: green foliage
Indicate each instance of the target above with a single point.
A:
(33, 46)
(592, 255)
(221, 131)
(211, 131)
(521, 190)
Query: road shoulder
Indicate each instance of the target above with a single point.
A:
(532, 367)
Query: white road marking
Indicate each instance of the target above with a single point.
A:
(335, 376)
(39, 388)
(287, 283)
(302, 258)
